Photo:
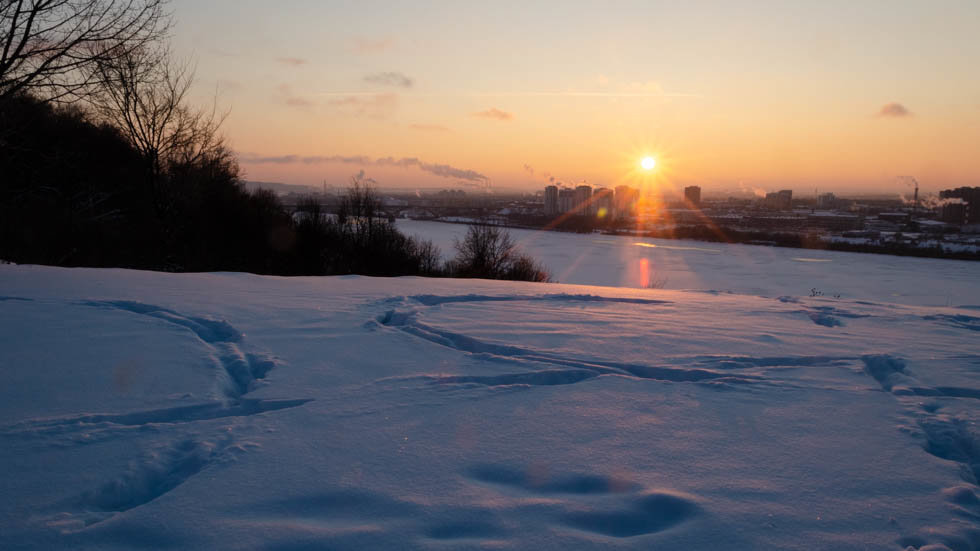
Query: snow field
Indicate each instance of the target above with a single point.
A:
(243, 412)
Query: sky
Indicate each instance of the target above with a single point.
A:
(757, 95)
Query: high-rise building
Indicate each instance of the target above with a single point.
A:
(780, 200)
(583, 200)
(826, 201)
(625, 201)
(551, 200)
(602, 200)
(566, 200)
(692, 196)
(964, 211)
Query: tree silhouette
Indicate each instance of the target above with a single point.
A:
(50, 48)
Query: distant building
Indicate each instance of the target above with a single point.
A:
(566, 200)
(955, 211)
(834, 221)
(602, 200)
(551, 200)
(692, 196)
(583, 199)
(780, 200)
(894, 217)
(625, 201)
(826, 201)
(966, 211)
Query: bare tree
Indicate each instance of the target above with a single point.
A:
(143, 93)
(51, 47)
(489, 252)
(359, 209)
(486, 251)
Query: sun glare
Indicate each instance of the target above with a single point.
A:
(648, 163)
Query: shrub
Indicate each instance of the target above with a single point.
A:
(489, 252)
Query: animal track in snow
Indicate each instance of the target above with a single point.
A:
(93, 422)
(573, 370)
(647, 514)
(948, 437)
(961, 321)
(152, 477)
(542, 481)
(148, 478)
(582, 501)
(547, 377)
(435, 300)
(238, 371)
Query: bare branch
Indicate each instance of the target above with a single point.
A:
(52, 47)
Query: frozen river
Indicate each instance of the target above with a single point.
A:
(619, 261)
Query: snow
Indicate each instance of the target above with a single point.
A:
(621, 261)
(232, 411)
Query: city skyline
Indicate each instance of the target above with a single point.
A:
(761, 96)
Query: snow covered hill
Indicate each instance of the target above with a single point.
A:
(232, 411)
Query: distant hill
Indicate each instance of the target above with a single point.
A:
(280, 188)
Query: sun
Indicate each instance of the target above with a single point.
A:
(648, 163)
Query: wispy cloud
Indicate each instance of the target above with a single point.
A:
(223, 53)
(294, 61)
(376, 106)
(287, 96)
(894, 110)
(494, 113)
(229, 85)
(429, 127)
(389, 78)
(438, 169)
(298, 102)
(364, 45)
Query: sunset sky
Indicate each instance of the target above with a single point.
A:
(840, 96)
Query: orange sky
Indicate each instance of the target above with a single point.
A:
(753, 95)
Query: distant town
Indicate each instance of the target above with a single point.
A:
(946, 224)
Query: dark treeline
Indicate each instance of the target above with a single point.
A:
(76, 192)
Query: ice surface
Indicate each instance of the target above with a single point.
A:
(231, 411)
(619, 261)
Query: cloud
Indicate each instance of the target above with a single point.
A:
(298, 102)
(442, 170)
(229, 85)
(640, 88)
(494, 113)
(894, 110)
(223, 53)
(294, 61)
(389, 78)
(377, 106)
(429, 127)
(363, 45)
(289, 98)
